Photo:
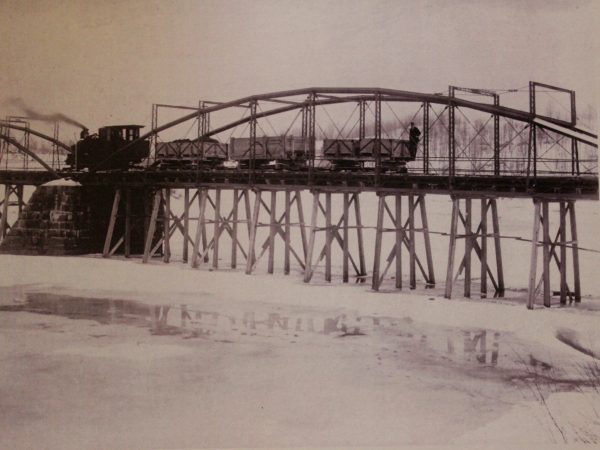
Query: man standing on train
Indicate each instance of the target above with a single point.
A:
(414, 135)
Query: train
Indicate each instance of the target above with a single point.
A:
(101, 150)
(286, 153)
(293, 153)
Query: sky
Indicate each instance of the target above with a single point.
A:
(106, 62)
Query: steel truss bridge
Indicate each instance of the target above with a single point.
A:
(474, 151)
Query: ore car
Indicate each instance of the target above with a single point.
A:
(284, 152)
(360, 154)
(185, 153)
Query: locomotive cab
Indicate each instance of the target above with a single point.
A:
(122, 133)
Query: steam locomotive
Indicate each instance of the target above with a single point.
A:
(101, 150)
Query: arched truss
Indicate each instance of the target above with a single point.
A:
(327, 96)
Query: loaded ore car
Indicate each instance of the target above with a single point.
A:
(102, 151)
(281, 152)
(185, 153)
(360, 154)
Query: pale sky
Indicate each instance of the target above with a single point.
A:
(106, 62)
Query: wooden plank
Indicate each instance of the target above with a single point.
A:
(345, 225)
(428, 254)
(167, 225)
(234, 229)
(272, 231)
(286, 233)
(253, 228)
(412, 249)
(546, 252)
(186, 224)
(533, 261)
(376, 281)
(152, 226)
(483, 256)
(359, 237)
(563, 253)
(452, 249)
(575, 247)
(399, 238)
(308, 269)
(328, 236)
(111, 223)
(207, 199)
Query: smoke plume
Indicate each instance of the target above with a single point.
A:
(32, 114)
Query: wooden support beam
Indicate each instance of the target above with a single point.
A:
(4, 218)
(152, 226)
(186, 224)
(234, 229)
(452, 249)
(111, 223)
(483, 256)
(199, 226)
(272, 231)
(533, 261)
(167, 225)
(411, 239)
(328, 236)
(127, 250)
(575, 248)
(345, 251)
(359, 237)
(563, 253)
(468, 246)
(546, 253)
(378, 238)
(298, 198)
(308, 269)
(430, 281)
(399, 240)
(254, 226)
(286, 232)
(217, 228)
(498, 248)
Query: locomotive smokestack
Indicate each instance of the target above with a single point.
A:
(54, 117)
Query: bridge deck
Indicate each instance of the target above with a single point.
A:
(573, 187)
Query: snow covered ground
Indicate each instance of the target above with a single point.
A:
(165, 356)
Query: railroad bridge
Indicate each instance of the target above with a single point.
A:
(472, 149)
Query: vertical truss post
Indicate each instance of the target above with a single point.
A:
(475, 236)
(311, 137)
(426, 107)
(308, 270)
(127, 251)
(345, 251)
(362, 113)
(496, 137)
(575, 248)
(328, 236)
(377, 139)
(253, 122)
(286, 231)
(405, 236)
(359, 237)
(273, 224)
(253, 229)
(532, 154)
(152, 227)
(451, 141)
(154, 137)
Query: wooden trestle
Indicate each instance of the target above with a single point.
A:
(405, 236)
(160, 222)
(13, 196)
(332, 233)
(541, 219)
(475, 240)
